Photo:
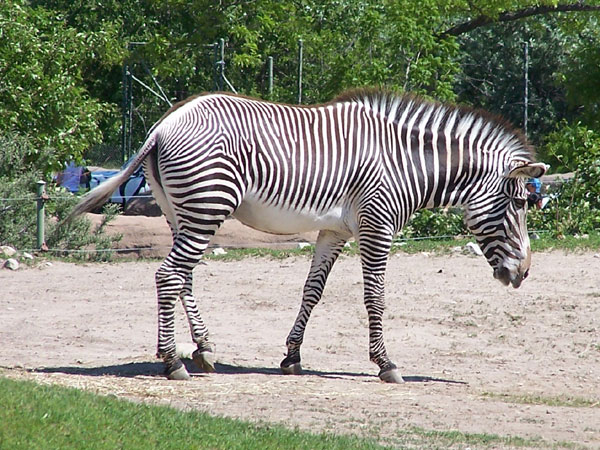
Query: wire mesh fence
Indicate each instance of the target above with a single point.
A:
(37, 201)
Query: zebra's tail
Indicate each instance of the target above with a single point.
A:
(101, 193)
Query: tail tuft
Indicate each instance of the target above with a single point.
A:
(97, 196)
(100, 194)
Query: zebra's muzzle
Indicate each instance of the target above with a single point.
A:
(506, 277)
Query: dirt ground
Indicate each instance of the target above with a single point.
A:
(477, 357)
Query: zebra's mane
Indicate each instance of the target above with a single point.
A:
(393, 105)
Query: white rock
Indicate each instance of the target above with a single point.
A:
(219, 251)
(457, 249)
(11, 264)
(27, 255)
(473, 248)
(7, 250)
(302, 245)
(185, 349)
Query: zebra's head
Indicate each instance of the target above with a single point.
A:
(499, 222)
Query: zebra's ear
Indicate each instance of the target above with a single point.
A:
(527, 170)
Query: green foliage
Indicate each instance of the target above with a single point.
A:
(580, 71)
(575, 208)
(563, 62)
(17, 192)
(493, 72)
(61, 70)
(438, 222)
(65, 239)
(18, 223)
(573, 147)
(61, 61)
(43, 94)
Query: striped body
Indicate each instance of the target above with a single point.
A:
(356, 167)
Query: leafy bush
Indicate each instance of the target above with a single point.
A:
(18, 224)
(575, 205)
(45, 64)
(436, 222)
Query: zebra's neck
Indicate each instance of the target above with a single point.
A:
(443, 156)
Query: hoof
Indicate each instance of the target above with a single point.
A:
(293, 369)
(180, 374)
(391, 376)
(205, 360)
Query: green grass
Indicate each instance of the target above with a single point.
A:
(442, 246)
(237, 254)
(569, 243)
(421, 438)
(525, 399)
(33, 416)
(436, 246)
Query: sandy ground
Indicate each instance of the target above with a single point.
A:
(473, 352)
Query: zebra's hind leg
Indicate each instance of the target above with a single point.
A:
(204, 355)
(170, 281)
(328, 247)
(374, 251)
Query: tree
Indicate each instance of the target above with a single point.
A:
(562, 53)
(581, 73)
(42, 91)
(502, 12)
(492, 75)
(410, 45)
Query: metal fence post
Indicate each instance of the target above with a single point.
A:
(270, 76)
(300, 55)
(526, 86)
(41, 200)
(220, 63)
(125, 113)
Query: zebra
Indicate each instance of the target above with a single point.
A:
(358, 166)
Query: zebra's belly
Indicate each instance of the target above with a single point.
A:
(283, 220)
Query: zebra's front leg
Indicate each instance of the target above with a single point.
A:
(328, 247)
(374, 254)
(204, 355)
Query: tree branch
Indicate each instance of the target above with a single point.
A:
(509, 16)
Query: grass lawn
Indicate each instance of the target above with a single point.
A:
(33, 416)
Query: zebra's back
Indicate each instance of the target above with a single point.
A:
(296, 168)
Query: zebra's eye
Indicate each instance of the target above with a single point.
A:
(520, 203)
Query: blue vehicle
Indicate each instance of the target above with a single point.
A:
(75, 178)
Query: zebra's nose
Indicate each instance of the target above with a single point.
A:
(503, 275)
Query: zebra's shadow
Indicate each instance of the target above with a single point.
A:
(156, 369)
(134, 369)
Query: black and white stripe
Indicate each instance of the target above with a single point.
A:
(358, 166)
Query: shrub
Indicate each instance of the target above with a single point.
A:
(437, 222)
(18, 178)
(575, 206)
